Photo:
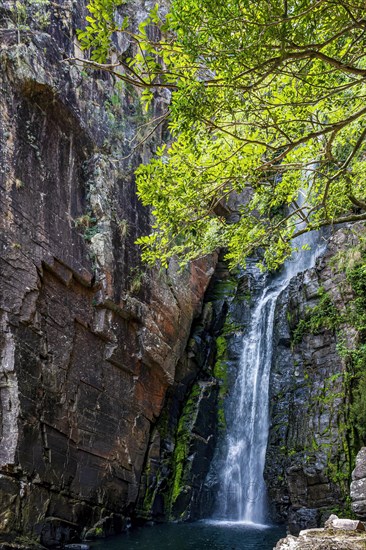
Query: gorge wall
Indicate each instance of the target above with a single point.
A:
(90, 338)
(105, 411)
(316, 395)
(311, 448)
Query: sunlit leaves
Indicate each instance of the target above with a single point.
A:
(268, 103)
(101, 25)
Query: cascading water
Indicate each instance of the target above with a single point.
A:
(242, 494)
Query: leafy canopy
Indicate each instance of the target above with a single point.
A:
(267, 118)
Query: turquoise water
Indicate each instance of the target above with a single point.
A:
(195, 536)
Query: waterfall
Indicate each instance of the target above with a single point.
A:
(242, 493)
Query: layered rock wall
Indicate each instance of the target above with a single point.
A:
(312, 443)
(90, 338)
(184, 439)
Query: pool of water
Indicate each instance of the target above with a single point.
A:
(208, 535)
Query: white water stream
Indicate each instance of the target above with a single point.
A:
(242, 494)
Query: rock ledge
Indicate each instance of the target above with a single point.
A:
(324, 539)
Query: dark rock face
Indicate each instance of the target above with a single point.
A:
(184, 439)
(309, 454)
(90, 338)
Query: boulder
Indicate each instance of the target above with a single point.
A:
(358, 485)
(360, 469)
(345, 524)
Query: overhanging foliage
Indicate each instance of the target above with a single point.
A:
(268, 102)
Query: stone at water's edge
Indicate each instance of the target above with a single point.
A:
(339, 534)
(323, 539)
(347, 525)
(90, 338)
(358, 485)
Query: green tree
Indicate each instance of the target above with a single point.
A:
(268, 104)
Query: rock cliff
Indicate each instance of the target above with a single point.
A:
(313, 438)
(104, 410)
(90, 338)
(184, 439)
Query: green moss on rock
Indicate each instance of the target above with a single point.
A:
(221, 374)
(323, 315)
(181, 450)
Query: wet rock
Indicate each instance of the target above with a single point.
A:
(306, 465)
(105, 527)
(56, 532)
(302, 518)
